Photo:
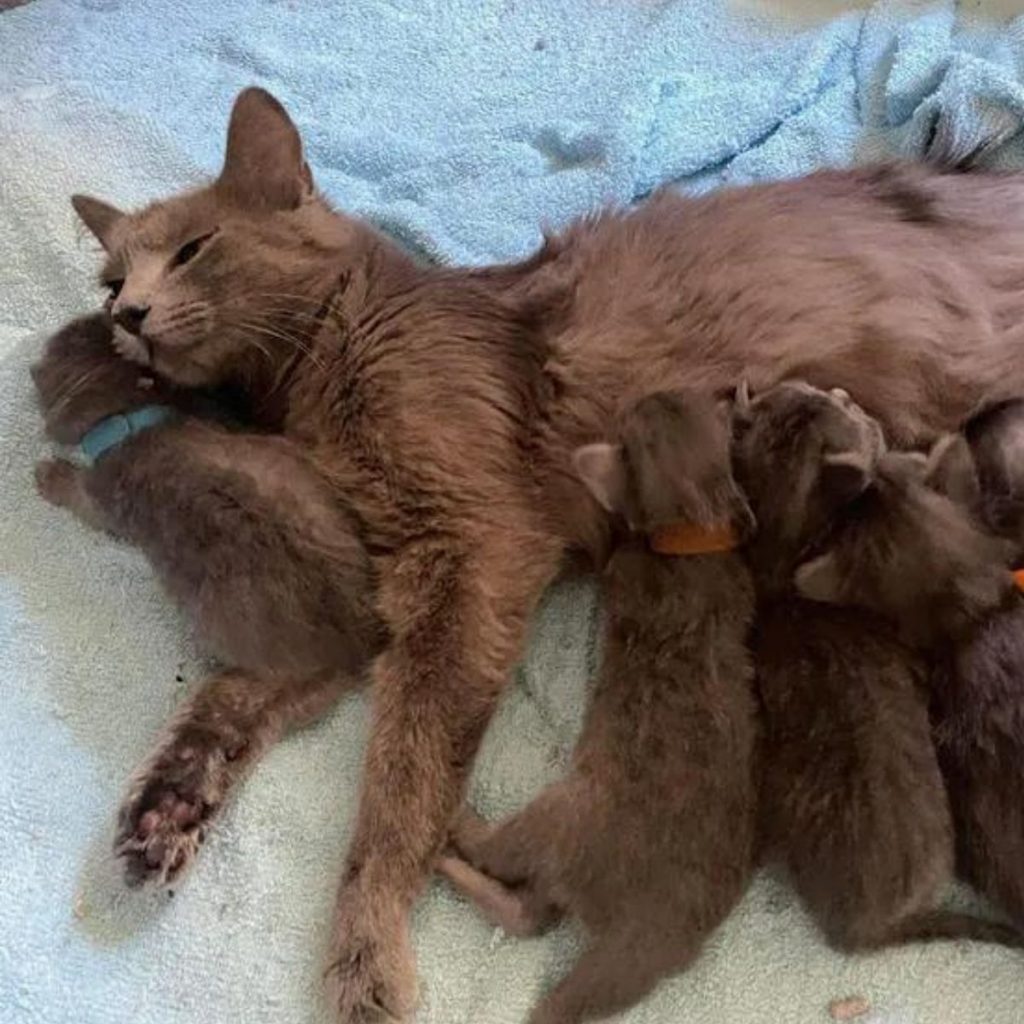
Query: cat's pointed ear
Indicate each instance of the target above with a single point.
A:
(99, 217)
(603, 472)
(846, 475)
(263, 165)
(818, 579)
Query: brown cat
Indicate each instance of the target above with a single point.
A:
(446, 403)
(916, 557)
(649, 838)
(852, 798)
(247, 539)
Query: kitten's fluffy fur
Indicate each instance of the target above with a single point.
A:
(649, 838)
(910, 553)
(247, 538)
(852, 799)
(445, 404)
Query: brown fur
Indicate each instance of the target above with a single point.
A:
(447, 403)
(949, 591)
(852, 799)
(245, 536)
(649, 838)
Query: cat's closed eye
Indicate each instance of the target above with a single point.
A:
(190, 250)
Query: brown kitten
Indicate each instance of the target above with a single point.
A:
(919, 559)
(244, 535)
(446, 403)
(852, 801)
(649, 838)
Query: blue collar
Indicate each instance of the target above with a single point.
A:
(110, 432)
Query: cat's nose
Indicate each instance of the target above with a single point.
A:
(130, 317)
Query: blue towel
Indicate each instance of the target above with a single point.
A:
(461, 126)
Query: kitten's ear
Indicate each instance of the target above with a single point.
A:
(602, 470)
(741, 403)
(846, 475)
(263, 164)
(951, 470)
(818, 579)
(99, 217)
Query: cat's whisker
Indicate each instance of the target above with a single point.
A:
(275, 334)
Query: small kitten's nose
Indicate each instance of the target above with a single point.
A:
(131, 317)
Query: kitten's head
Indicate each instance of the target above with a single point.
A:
(80, 380)
(982, 468)
(209, 282)
(668, 463)
(911, 554)
(800, 455)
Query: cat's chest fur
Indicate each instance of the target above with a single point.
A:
(419, 411)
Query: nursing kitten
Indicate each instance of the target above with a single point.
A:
(649, 838)
(246, 538)
(982, 469)
(853, 801)
(913, 555)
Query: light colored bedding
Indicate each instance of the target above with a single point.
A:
(460, 125)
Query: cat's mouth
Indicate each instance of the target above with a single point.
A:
(137, 348)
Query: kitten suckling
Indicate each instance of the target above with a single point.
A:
(248, 540)
(927, 564)
(649, 838)
(852, 797)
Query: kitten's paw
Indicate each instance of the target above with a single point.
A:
(55, 480)
(165, 818)
(372, 975)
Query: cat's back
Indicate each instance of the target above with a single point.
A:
(672, 713)
(897, 283)
(977, 692)
(845, 711)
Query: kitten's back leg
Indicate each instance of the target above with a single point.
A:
(519, 911)
(613, 974)
(209, 745)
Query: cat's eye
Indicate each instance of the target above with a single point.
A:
(114, 287)
(190, 250)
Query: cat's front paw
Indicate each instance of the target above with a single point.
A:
(56, 480)
(174, 800)
(372, 975)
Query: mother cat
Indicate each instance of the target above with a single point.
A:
(445, 403)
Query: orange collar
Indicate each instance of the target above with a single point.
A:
(1018, 578)
(689, 539)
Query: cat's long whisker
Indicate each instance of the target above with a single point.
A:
(275, 334)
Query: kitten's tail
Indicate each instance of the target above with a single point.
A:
(934, 925)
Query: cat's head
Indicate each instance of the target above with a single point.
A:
(911, 554)
(206, 284)
(982, 468)
(668, 462)
(800, 455)
(80, 380)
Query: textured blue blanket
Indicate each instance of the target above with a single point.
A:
(461, 126)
